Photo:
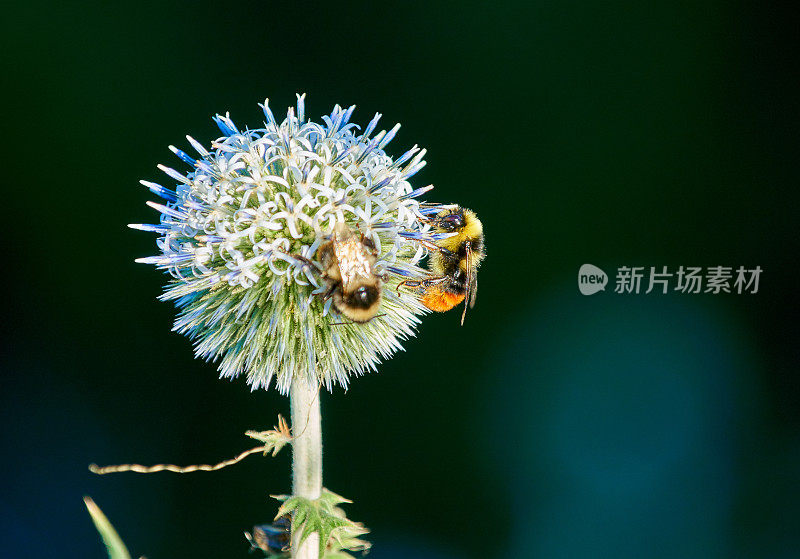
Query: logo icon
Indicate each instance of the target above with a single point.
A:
(591, 279)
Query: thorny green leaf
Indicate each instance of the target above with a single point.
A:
(337, 533)
(274, 439)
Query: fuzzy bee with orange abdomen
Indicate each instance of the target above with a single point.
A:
(453, 262)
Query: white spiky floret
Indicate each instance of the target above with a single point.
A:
(232, 229)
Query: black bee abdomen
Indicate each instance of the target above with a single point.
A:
(364, 296)
(458, 282)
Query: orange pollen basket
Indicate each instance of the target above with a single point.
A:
(441, 301)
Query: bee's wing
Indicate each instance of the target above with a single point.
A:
(473, 292)
(472, 285)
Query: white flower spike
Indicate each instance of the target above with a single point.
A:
(239, 232)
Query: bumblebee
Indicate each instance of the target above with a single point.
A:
(348, 266)
(273, 539)
(453, 262)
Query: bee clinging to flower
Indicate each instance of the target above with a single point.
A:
(348, 266)
(453, 262)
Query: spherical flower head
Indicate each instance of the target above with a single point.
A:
(239, 236)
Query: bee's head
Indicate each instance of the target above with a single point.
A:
(451, 220)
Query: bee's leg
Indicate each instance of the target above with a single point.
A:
(369, 243)
(421, 284)
(413, 284)
(307, 261)
(429, 245)
(329, 292)
(447, 253)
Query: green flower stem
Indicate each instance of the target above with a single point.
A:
(306, 456)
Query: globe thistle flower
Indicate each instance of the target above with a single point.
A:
(237, 232)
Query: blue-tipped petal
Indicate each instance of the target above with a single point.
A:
(416, 235)
(399, 271)
(418, 192)
(210, 238)
(301, 107)
(167, 211)
(385, 182)
(342, 155)
(336, 120)
(150, 260)
(160, 229)
(184, 157)
(164, 261)
(431, 209)
(405, 157)
(268, 113)
(348, 113)
(412, 169)
(174, 174)
(389, 136)
(367, 150)
(193, 205)
(197, 146)
(440, 236)
(371, 126)
(225, 125)
(160, 191)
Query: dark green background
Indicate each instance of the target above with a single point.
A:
(551, 425)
